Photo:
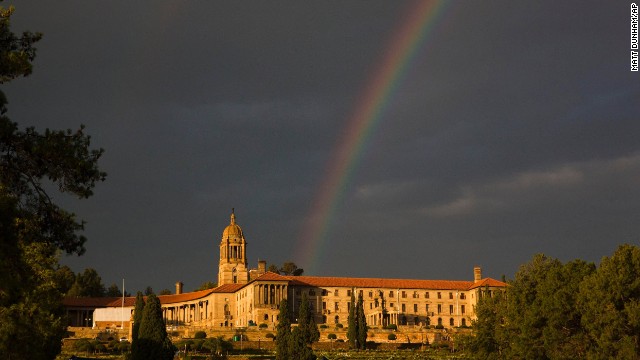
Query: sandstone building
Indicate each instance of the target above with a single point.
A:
(249, 297)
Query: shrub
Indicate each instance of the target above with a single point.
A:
(323, 326)
(391, 327)
(340, 340)
(340, 326)
(84, 345)
(332, 336)
(113, 344)
(391, 337)
(270, 336)
(124, 346)
(200, 335)
(439, 326)
(100, 347)
(263, 326)
(197, 344)
(189, 344)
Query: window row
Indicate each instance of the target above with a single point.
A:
(391, 294)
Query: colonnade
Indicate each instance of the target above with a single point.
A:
(182, 314)
(269, 294)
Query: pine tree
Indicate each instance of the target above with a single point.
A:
(33, 228)
(361, 325)
(153, 341)
(352, 331)
(283, 335)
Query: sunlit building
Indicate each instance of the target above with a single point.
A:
(248, 297)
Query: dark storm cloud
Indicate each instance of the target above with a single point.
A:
(513, 132)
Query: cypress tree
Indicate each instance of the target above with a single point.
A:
(283, 335)
(352, 331)
(153, 342)
(362, 324)
(305, 333)
(137, 317)
(307, 323)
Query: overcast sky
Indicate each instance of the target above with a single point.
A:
(514, 131)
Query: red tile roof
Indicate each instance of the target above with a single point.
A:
(170, 299)
(228, 288)
(131, 301)
(380, 283)
(271, 276)
(89, 301)
(488, 282)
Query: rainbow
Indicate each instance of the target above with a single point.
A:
(415, 30)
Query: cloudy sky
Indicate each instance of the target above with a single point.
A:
(512, 130)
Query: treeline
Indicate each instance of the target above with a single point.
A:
(555, 310)
(89, 284)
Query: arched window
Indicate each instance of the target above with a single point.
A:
(266, 317)
(464, 322)
(337, 319)
(451, 321)
(440, 321)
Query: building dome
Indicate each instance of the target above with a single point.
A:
(233, 230)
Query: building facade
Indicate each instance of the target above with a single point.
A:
(249, 297)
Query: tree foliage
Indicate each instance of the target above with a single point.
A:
(153, 341)
(488, 327)
(357, 331)
(113, 291)
(217, 345)
(33, 229)
(288, 268)
(610, 304)
(206, 285)
(291, 269)
(31, 315)
(88, 284)
(553, 310)
(352, 330)
(16, 53)
(65, 278)
(361, 324)
(137, 318)
(283, 335)
(305, 333)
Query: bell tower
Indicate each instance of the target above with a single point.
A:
(233, 256)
